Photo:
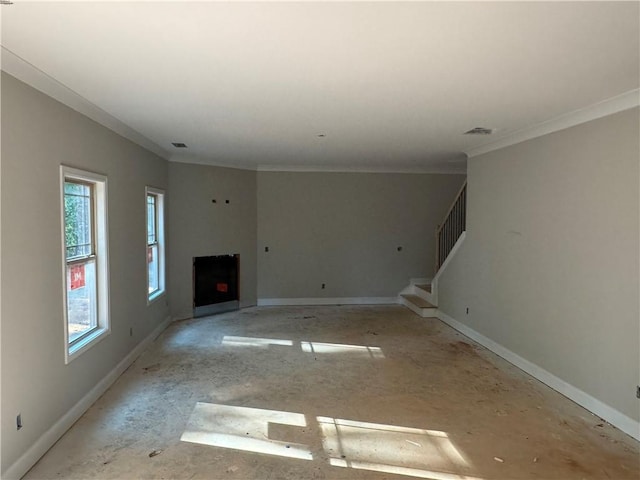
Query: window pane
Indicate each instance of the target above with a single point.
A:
(152, 260)
(151, 219)
(76, 188)
(77, 220)
(82, 300)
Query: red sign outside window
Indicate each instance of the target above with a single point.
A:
(149, 254)
(222, 287)
(77, 276)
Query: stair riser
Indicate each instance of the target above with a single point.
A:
(429, 297)
(423, 312)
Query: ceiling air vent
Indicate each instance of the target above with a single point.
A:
(479, 131)
(179, 144)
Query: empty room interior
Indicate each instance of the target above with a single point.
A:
(351, 240)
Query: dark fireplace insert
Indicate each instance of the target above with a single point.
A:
(215, 284)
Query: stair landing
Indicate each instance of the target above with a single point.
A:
(418, 305)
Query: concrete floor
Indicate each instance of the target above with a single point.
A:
(332, 392)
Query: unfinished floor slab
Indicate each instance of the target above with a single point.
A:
(332, 392)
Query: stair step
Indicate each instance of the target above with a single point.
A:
(426, 288)
(418, 301)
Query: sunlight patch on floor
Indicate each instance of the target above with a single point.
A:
(307, 347)
(243, 428)
(348, 444)
(359, 350)
(254, 342)
(391, 449)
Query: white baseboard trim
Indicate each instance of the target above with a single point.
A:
(420, 281)
(614, 417)
(271, 302)
(21, 466)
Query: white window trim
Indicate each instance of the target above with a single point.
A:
(102, 264)
(160, 195)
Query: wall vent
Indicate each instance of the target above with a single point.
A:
(479, 131)
(179, 144)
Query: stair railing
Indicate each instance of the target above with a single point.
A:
(455, 222)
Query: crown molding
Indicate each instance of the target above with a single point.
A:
(363, 169)
(36, 78)
(197, 160)
(613, 105)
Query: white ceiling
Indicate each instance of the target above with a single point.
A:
(393, 86)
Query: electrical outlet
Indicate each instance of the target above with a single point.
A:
(467, 310)
(638, 391)
(19, 421)
(266, 249)
(323, 286)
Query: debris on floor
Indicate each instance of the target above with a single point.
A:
(262, 399)
(150, 368)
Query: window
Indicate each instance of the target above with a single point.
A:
(155, 243)
(84, 226)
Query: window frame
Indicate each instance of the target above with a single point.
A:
(99, 254)
(159, 195)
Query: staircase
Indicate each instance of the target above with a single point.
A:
(421, 296)
(419, 299)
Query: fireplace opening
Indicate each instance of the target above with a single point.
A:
(215, 284)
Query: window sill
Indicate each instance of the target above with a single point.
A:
(155, 296)
(78, 348)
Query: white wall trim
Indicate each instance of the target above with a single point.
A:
(420, 281)
(457, 170)
(36, 78)
(613, 105)
(29, 458)
(265, 302)
(614, 417)
(198, 160)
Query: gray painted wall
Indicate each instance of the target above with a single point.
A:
(343, 229)
(39, 134)
(549, 267)
(199, 227)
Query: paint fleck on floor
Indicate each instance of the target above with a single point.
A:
(332, 392)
